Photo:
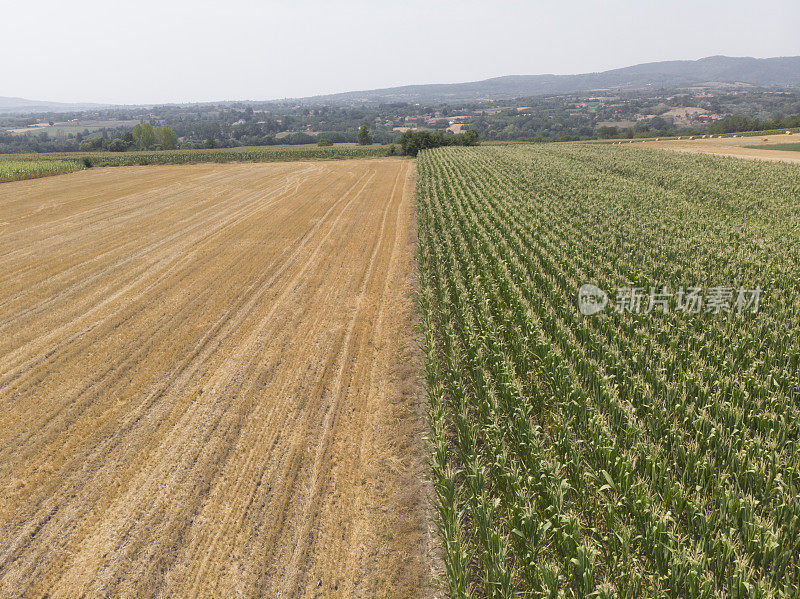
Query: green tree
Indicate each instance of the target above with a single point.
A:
(468, 138)
(364, 138)
(167, 138)
(605, 132)
(144, 136)
(658, 124)
(117, 145)
(91, 144)
(414, 141)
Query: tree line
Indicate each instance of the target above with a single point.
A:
(142, 137)
(412, 142)
(735, 123)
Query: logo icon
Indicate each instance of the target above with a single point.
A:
(591, 299)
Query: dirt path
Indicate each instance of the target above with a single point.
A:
(732, 146)
(205, 386)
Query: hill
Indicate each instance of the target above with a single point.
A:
(710, 71)
(782, 72)
(22, 105)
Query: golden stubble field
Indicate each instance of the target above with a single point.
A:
(207, 383)
(735, 147)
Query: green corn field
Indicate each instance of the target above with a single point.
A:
(622, 454)
(16, 170)
(14, 167)
(243, 154)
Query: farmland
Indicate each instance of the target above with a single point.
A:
(795, 147)
(625, 453)
(17, 167)
(208, 373)
(205, 385)
(741, 146)
(76, 126)
(223, 155)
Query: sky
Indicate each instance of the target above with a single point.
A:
(148, 51)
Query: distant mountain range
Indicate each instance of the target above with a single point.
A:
(21, 105)
(782, 72)
(713, 70)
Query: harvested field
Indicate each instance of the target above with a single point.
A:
(205, 383)
(737, 147)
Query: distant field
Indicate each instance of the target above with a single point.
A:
(70, 127)
(14, 167)
(620, 124)
(738, 147)
(795, 147)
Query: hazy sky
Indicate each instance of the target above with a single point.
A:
(197, 50)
